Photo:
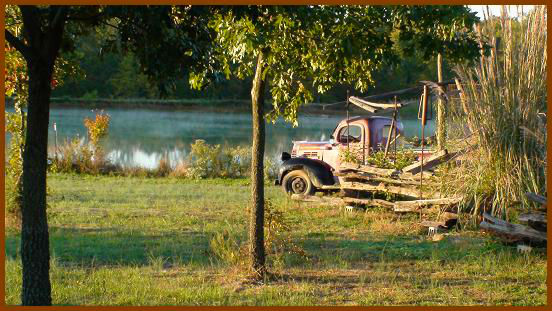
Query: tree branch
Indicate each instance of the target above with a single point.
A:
(58, 17)
(31, 24)
(18, 45)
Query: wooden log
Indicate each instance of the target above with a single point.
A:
(536, 198)
(432, 161)
(512, 231)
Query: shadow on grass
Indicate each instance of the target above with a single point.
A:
(109, 246)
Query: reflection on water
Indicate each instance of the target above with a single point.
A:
(141, 137)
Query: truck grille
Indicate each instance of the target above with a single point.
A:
(311, 154)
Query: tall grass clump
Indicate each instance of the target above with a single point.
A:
(503, 103)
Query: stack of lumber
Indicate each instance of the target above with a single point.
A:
(532, 230)
(405, 183)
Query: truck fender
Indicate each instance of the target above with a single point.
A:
(319, 172)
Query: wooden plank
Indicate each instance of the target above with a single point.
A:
(428, 202)
(432, 161)
(427, 223)
(368, 169)
(533, 217)
(341, 200)
(409, 192)
(369, 202)
(360, 101)
(355, 101)
(377, 178)
(317, 199)
(536, 198)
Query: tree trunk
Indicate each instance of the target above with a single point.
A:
(35, 252)
(256, 223)
(40, 55)
(441, 110)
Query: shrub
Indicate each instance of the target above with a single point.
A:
(208, 161)
(78, 156)
(401, 159)
(230, 248)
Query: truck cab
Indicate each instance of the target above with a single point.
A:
(361, 134)
(311, 164)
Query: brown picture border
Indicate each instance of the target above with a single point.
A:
(3, 305)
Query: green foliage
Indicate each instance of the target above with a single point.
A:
(231, 249)
(207, 161)
(312, 48)
(402, 159)
(128, 82)
(80, 156)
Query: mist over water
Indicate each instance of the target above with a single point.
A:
(141, 137)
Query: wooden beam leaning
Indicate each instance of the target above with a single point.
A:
(360, 103)
(432, 161)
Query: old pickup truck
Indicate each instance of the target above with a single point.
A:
(311, 164)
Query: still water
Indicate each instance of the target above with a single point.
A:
(141, 137)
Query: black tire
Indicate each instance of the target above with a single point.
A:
(297, 182)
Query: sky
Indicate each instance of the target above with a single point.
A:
(495, 9)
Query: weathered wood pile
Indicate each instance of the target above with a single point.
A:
(532, 231)
(405, 183)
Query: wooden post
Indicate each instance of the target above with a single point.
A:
(424, 113)
(347, 120)
(441, 109)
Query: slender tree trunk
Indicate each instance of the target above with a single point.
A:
(256, 223)
(441, 110)
(35, 252)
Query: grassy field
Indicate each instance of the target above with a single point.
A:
(140, 241)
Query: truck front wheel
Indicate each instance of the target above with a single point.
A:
(297, 182)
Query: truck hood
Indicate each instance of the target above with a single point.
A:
(311, 144)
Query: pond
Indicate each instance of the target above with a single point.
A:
(141, 137)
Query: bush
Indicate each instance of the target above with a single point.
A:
(231, 249)
(403, 158)
(209, 161)
(78, 156)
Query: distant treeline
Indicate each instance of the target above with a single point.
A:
(104, 74)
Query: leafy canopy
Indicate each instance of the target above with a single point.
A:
(316, 47)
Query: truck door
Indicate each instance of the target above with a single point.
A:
(352, 135)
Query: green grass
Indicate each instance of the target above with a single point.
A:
(145, 241)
